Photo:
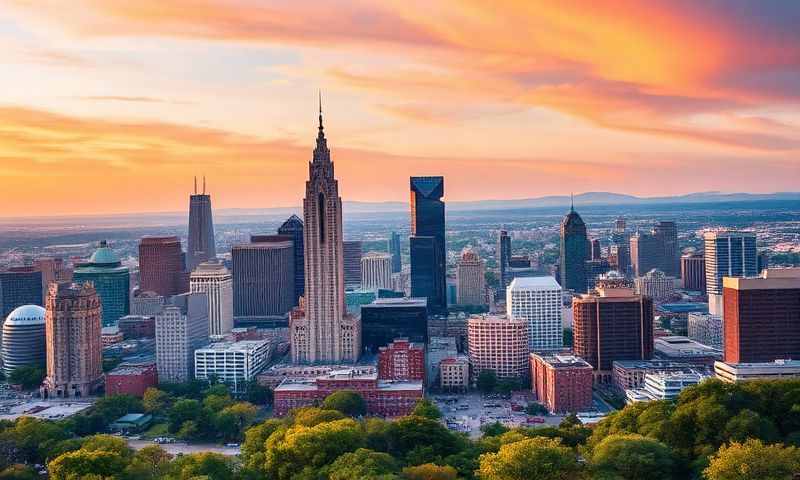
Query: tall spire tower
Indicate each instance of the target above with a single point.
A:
(325, 334)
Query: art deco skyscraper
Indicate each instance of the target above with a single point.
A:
(573, 252)
(325, 334)
(200, 246)
(428, 249)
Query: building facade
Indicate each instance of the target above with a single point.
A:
(161, 266)
(503, 255)
(562, 382)
(573, 252)
(131, 380)
(454, 374)
(500, 344)
(213, 279)
(537, 302)
(470, 279)
(655, 284)
(19, 286)
(706, 329)
(742, 372)
(353, 252)
(428, 242)
(263, 278)
(727, 254)
(293, 227)
(646, 252)
(137, 326)
(693, 272)
(402, 360)
(200, 245)
(111, 280)
(388, 318)
(667, 235)
(24, 338)
(376, 271)
(74, 351)
(232, 363)
(181, 328)
(393, 247)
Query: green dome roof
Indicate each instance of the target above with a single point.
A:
(104, 255)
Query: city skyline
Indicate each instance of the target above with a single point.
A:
(138, 100)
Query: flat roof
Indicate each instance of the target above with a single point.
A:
(684, 307)
(240, 346)
(399, 302)
(534, 283)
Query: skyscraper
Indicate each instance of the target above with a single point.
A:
(111, 280)
(537, 302)
(352, 252)
(646, 253)
(293, 227)
(376, 271)
(470, 279)
(263, 279)
(503, 254)
(200, 245)
(74, 350)
(53, 270)
(667, 235)
(213, 279)
(428, 247)
(394, 251)
(693, 272)
(325, 334)
(161, 266)
(181, 328)
(597, 251)
(19, 286)
(727, 254)
(573, 252)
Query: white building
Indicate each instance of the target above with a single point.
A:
(738, 372)
(213, 279)
(655, 284)
(181, 328)
(727, 254)
(376, 271)
(233, 363)
(537, 301)
(663, 386)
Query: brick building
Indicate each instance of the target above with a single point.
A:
(454, 374)
(131, 379)
(383, 398)
(562, 382)
(402, 360)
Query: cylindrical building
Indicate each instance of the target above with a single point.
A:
(24, 338)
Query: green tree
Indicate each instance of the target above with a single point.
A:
(362, 464)
(487, 381)
(420, 440)
(31, 439)
(536, 408)
(754, 460)
(749, 424)
(234, 419)
(182, 411)
(82, 463)
(150, 463)
(112, 407)
(310, 416)
(156, 401)
(212, 466)
(348, 402)
(258, 394)
(632, 457)
(534, 458)
(493, 429)
(507, 385)
(18, 472)
(216, 402)
(426, 408)
(429, 471)
(108, 443)
(28, 376)
(255, 438)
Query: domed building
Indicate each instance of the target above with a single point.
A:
(574, 249)
(111, 280)
(24, 338)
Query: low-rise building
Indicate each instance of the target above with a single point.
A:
(685, 350)
(402, 360)
(454, 374)
(739, 372)
(706, 329)
(274, 375)
(664, 386)
(630, 374)
(131, 423)
(384, 398)
(562, 382)
(137, 326)
(132, 380)
(438, 349)
(110, 335)
(233, 363)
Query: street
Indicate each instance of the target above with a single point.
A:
(184, 448)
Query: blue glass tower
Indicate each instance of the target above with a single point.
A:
(111, 280)
(428, 247)
(573, 252)
(394, 251)
(293, 227)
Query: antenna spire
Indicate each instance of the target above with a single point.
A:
(320, 111)
(204, 184)
(195, 184)
(571, 202)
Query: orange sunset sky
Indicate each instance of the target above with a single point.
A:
(112, 106)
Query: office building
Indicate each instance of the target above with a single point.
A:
(436, 350)
(646, 252)
(112, 281)
(385, 398)
(200, 244)
(394, 250)
(213, 279)
(325, 333)
(762, 316)
(630, 374)
(675, 348)
(263, 278)
(232, 363)
(181, 328)
(137, 326)
(388, 318)
(693, 272)
(498, 343)
(742, 372)
(562, 382)
(706, 329)
(727, 254)
(656, 285)
(74, 351)
(428, 242)
(612, 324)
(537, 302)
(454, 374)
(666, 233)
(147, 304)
(594, 270)
(663, 386)
(53, 270)
(402, 360)
(24, 338)
(503, 255)
(293, 227)
(597, 251)
(352, 251)
(470, 279)
(110, 336)
(355, 299)
(131, 379)
(19, 286)
(161, 266)
(573, 252)
(376, 271)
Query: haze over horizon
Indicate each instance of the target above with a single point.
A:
(109, 108)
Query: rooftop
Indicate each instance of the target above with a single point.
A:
(240, 346)
(677, 346)
(534, 283)
(129, 369)
(684, 307)
(26, 315)
(562, 360)
(399, 302)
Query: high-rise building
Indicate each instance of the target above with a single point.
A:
(562, 382)
(667, 235)
(727, 254)
(293, 227)
(402, 361)
(597, 250)
(213, 279)
(388, 318)
(161, 266)
(612, 324)
(537, 302)
(325, 333)
(112, 281)
(500, 344)
(200, 244)
(263, 278)
(470, 279)
(181, 328)
(53, 270)
(573, 252)
(655, 284)
(146, 303)
(503, 254)
(24, 338)
(646, 251)
(376, 271)
(762, 317)
(352, 253)
(74, 350)
(19, 286)
(394, 251)
(693, 272)
(428, 242)
(594, 270)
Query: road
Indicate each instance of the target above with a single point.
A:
(187, 448)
